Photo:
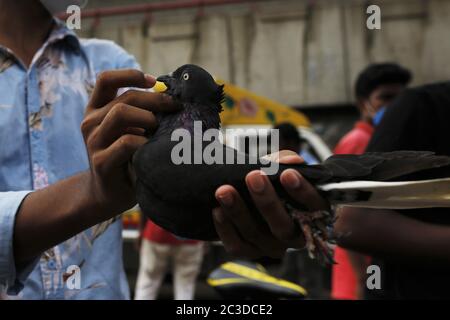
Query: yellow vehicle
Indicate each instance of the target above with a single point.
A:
(244, 109)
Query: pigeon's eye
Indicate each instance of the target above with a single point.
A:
(186, 76)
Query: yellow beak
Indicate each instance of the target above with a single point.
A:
(159, 87)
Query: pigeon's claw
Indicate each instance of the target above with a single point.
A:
(317, 227)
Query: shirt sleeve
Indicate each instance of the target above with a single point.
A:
(125, 60)
(12, 276)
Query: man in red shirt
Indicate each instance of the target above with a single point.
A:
(158, 248)
(376, 87)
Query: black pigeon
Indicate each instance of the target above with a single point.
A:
(180, 198)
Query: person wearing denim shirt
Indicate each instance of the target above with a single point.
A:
(41, 108)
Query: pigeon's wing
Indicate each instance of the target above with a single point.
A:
(188, 183)
(400, 165)
(374, 166)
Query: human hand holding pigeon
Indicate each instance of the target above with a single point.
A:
(235, 225)
(114, 128)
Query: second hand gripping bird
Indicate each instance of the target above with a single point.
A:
(180, 197)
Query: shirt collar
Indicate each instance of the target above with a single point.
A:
(61, 32)
(6, 55)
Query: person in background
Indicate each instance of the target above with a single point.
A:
(158, 248)
(410, 247)
(375, 89)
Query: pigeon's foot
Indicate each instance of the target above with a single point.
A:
(317, 227)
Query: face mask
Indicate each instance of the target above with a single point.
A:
(375, 115)
(56, 6)
(378, 116)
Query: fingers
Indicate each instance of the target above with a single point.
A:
(118, 153)
(137, 131)
(149, 101)
(230, 238)
(302, 191)
(271, 208)
(238, 229)
(253, 231)
(121, 119)
(108, 82)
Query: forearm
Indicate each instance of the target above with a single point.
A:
(390, 235)
(54, 214)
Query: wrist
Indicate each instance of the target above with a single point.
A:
(104, 204)
(94, 203)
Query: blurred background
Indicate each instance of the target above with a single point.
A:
(303, 54)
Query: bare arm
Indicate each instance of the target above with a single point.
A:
(388, 234)
(54, 214)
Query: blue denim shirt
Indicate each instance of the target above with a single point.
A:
(41, 109)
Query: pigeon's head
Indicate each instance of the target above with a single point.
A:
(192, 84)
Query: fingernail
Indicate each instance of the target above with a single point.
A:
(293, 179)
(226, 199)
(151, 80)
(257, 183)
(218, 215)
(291, 159)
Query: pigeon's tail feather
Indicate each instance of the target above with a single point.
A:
(389, 195)
(373, 166)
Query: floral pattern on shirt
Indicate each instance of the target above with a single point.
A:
(41, 109)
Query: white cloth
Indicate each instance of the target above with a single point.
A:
(154, 261)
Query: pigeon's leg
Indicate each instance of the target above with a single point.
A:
(317, 228)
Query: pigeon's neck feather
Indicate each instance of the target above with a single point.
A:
(185, 119)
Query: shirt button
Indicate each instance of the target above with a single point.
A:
(35, 134)
(51, 265)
